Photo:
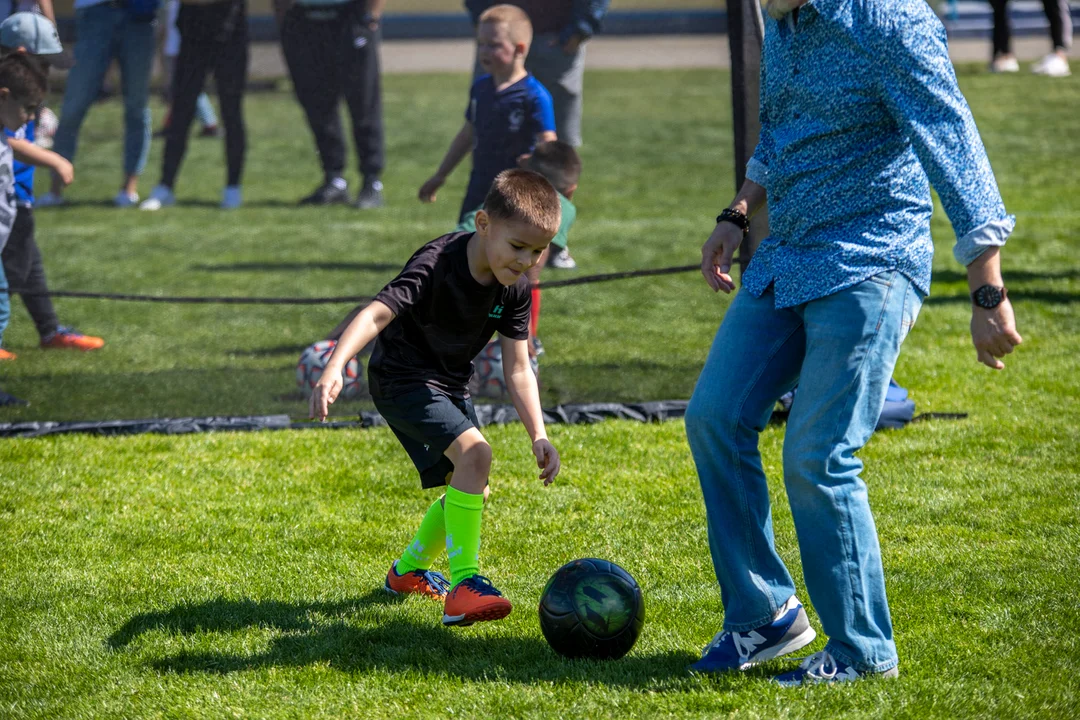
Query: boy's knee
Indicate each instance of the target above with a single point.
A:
(476, 460)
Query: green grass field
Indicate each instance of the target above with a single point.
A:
(238, 574)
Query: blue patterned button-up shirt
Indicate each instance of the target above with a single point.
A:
(860, 114)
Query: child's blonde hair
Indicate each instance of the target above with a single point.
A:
(525, 196)
(514, 18)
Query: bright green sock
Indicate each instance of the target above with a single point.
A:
(463, 514)
(427, 543)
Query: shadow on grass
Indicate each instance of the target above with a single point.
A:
(1011, 275)
(181, 203)
(322, 633)
(1039, 296)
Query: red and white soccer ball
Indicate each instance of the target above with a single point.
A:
(487, 379)
(313, 362)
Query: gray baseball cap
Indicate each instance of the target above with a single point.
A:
(38, 35)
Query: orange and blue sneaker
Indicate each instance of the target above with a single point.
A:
(66, 337)
(474, 600)
(417, 582)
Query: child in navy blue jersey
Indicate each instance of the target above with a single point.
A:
(509, 110)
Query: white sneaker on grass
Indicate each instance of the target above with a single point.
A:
(1053, 65)
(160, 197)
(1004, 64)
(560, 260)
(125, 199)
(231, 197)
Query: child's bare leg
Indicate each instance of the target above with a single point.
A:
(472, 598)
(471, 456)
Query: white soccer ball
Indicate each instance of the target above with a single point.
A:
(312, 363)
(45, 128)
(487, 378)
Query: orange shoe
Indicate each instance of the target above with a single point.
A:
(475, 599)
(66, 337)
(416, 582)
(5, 355)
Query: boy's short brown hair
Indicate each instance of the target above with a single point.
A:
(559, 162)
(515, 19)
(527, 197)
(22, 79)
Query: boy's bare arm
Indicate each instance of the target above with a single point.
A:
(520, 381)
(340, 328)
(29, 153)
(364, 327)
(460, 146)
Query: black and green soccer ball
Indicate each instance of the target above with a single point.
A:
(591, 609)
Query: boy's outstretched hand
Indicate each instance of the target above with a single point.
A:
(430, 188)
(547, 458)
(324, 393)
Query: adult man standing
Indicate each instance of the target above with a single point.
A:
(332, 50)
(557, 55)
(860, 114)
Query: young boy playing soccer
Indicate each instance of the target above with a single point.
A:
(428, 324)
(509, 110)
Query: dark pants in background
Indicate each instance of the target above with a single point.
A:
(213, 38)
(1057, 14)
(332, 54)
(25, 271)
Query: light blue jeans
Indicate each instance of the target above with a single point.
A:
(840, 350)
(105, 32)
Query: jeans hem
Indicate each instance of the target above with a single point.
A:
(861, 667)
(746, 627)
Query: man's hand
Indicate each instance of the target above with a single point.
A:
(993, 333)
(430, 187)
(547, 458)
(717, 254)
(777, 9)
(64, 170)
(325, 392)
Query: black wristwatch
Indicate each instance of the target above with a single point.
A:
(989, 297)
(735, 218)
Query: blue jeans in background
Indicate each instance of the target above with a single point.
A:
(105, 32)
(840, 350)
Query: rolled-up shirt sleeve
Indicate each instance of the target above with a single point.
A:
(922, 95)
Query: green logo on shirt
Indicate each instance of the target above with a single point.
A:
(496, 312)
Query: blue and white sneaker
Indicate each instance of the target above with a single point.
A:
(729, 651)
(822, 667)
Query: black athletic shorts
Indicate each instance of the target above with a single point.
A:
(427, 422)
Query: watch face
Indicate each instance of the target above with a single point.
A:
(988, 297)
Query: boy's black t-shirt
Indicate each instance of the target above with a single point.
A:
(444, 318)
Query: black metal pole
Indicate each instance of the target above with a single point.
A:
(746, 32)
